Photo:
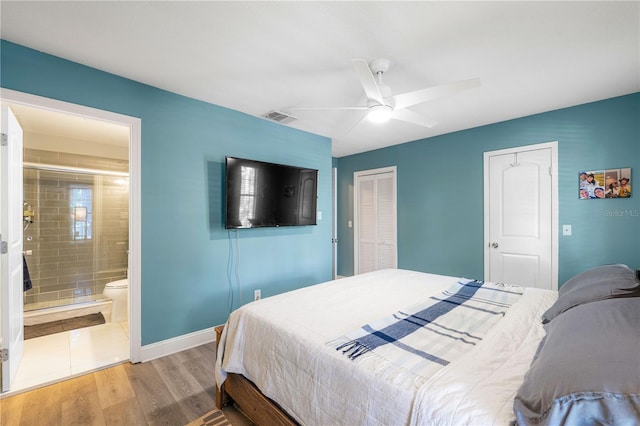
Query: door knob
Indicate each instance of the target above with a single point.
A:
(494, 245)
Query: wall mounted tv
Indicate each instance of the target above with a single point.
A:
(260, 194)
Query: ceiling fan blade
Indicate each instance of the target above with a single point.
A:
(348, 129)
(413, 117)
(325, 108)
(367, 80)
(408, 99)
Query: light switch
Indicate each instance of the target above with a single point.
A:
(566, 230)
(349, 224)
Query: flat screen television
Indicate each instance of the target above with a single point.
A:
(260, 194)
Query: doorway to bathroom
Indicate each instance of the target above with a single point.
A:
(81, 232)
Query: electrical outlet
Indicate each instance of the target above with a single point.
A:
(257, 294)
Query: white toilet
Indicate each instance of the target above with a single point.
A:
(118, 292)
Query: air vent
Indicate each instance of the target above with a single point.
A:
(279, 116)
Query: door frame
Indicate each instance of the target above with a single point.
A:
(135, 224)
(356, 212)
(334, 223)
(553, 145)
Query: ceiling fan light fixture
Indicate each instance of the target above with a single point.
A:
(379, 113)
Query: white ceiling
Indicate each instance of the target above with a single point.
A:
(258, 56)
(57, 126)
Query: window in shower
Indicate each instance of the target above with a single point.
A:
(81, 201)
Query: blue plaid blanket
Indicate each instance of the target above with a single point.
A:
(425, 337)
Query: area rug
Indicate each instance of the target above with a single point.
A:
(44, 329)
(212, 418)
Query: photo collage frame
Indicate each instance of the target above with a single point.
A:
(600, 184)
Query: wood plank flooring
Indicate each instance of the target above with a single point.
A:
(170, 391)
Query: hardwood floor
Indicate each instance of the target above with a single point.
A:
(171, 391)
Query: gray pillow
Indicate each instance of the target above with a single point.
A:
(602, 282)
(587, 368)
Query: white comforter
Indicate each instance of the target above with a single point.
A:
(279, 343)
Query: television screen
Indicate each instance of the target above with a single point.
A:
(260, 194)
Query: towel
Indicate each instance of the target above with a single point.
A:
(27, 285)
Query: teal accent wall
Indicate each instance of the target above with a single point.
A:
(185, 248)
(440, 190)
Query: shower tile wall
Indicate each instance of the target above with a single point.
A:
(72, 265)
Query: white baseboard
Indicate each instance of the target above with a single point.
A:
(177, 344)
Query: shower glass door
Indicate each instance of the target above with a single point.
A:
(79, 236)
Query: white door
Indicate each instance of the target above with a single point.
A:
(520, 230)
(11, 282)
(375, 220)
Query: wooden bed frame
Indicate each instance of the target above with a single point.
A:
(260, 409)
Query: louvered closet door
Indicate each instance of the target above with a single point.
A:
(375, 220)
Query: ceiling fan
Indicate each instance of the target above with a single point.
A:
(382, 105)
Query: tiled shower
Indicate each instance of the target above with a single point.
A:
(77, 240)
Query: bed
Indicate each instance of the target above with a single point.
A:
(312, 356)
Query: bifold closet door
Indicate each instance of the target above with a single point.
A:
(375, 220)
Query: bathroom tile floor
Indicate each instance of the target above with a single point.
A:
(59, 356)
